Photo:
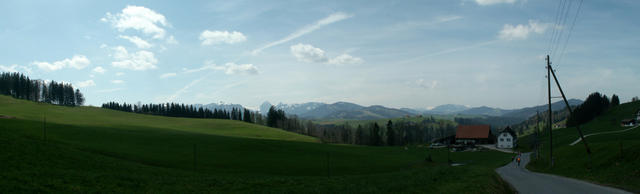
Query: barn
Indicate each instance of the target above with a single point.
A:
(474, 134)
(507, 138)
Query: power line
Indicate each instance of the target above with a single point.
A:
(561, 24)
(562, 52)
(555, 25)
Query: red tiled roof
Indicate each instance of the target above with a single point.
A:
(473, 131)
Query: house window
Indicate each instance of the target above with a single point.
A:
(501, 139)
(508, 139)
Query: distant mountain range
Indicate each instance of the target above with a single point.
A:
(351, 111)
(338, 110)
(524, 113)
(219, 106)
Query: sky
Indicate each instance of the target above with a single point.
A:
(413, 54)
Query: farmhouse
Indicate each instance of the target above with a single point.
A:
(628, 122)
(507, 138)
(474, 134)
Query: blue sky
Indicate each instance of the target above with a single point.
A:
(414, 54)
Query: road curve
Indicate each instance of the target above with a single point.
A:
(525, 181)
(600, 133)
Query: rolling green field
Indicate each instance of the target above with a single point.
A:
(609, 164)
(91, 149)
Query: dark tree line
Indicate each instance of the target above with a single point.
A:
(20, 86)
(188, 111)
(595, 105)
(394, 133)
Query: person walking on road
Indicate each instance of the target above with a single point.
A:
(518, 160)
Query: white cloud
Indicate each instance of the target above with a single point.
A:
(521, 32)
(119, 74)
(143, 44)
(424, 84)
(336, 17)
(168, 75)
(99, 69)
(243, 69)
(228, 68)
(87, 83)
(141, 60)
(308, 53)
(217, 37)
(491, 2)
(138, 18)
(14, 68)
(77, 62)
(117, 81)
(103, 46)
(345, 59)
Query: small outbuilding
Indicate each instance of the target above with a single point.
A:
(507, 138)
(474, 134)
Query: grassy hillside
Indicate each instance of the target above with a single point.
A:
(96, 150)
(608, 165)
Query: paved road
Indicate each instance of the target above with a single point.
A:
(525, 181)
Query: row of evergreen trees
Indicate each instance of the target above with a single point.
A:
(595, 105)
(182, 110)
(396, 133)
(401, 132)
(20, 86)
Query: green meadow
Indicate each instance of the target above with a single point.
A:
(90, 149)
(615, 158)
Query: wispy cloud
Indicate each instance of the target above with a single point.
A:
(217, 37)
(228, 68)
(168, 75)
(87, 83)
(521, 32)
(425, 84)
(139, 42)
(448, 51)
(117, 81)
(141, 60)
(77, 62)
(308, 53)
(99, 69)
(15, 68)
(336, 17)
(184, 89)
(420, 24)
(492, 2)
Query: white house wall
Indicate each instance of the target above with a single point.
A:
(505, 140)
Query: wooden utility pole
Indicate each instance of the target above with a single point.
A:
(537, 135)
(550, 122)
(584, 141)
